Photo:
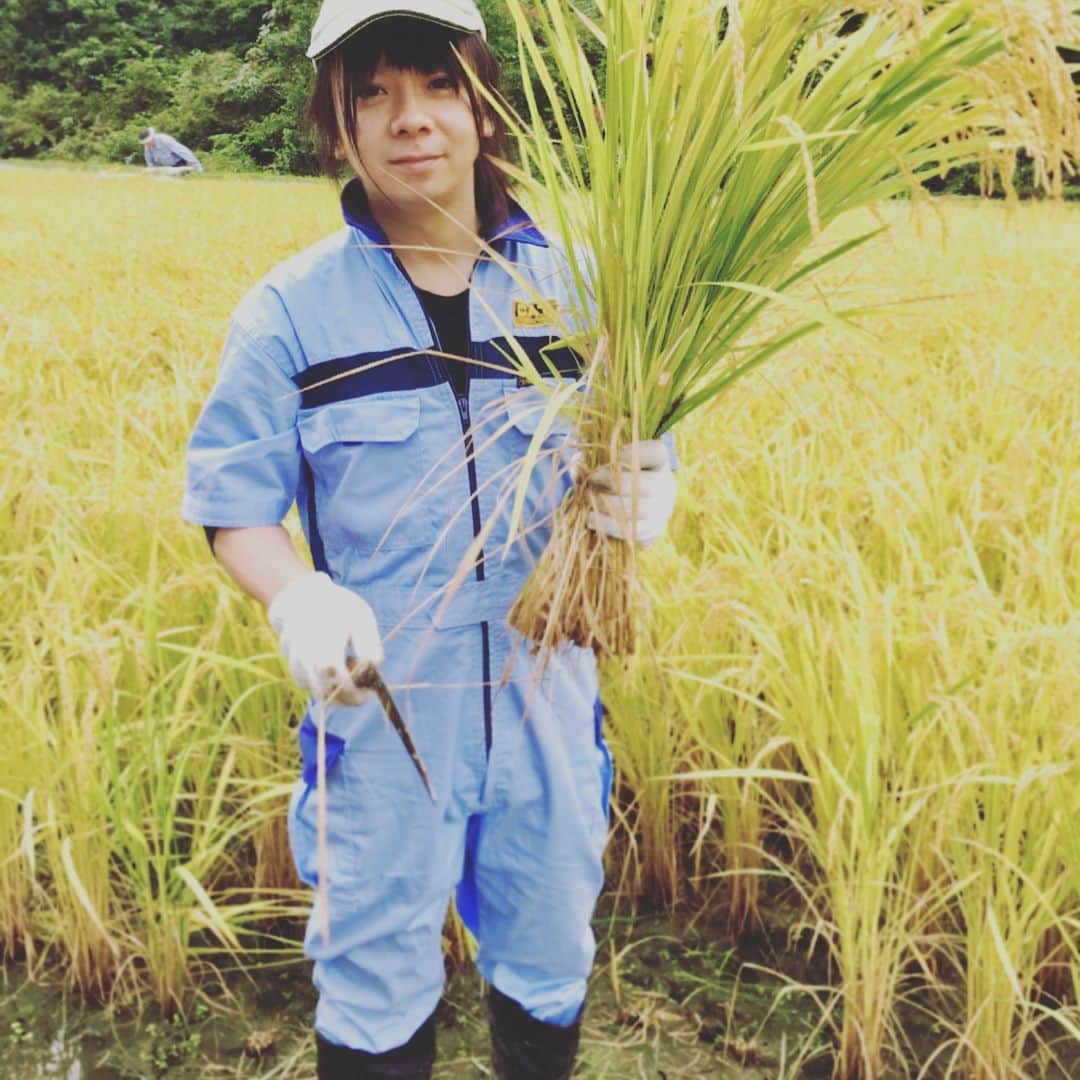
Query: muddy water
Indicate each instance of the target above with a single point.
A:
(669, 999)
(657, 1007)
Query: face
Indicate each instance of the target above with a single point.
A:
(418, 141)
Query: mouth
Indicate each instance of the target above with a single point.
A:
(415, 160)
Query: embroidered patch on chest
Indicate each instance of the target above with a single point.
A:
(534, 312)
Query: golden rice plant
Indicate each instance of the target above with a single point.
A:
(650, 745)
(692, 691)
(713, 147)
(887, 532)
(145, 712)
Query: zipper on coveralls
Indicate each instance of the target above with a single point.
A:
(474, 500)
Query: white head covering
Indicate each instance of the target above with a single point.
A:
(340, 19)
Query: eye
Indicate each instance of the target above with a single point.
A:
(368, 91)
(442, 81)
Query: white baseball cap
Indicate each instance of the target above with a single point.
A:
(340, 19)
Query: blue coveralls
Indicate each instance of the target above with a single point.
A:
(393, 477)
(168, 152)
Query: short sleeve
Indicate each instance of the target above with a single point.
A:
(243, 459)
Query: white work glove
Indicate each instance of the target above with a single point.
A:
(320, 625)
(646, 471)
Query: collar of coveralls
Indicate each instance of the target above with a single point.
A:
(518, 225)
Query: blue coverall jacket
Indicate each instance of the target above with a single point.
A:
(329, 396)
(168, 152)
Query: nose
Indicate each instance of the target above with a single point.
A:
(409, 116)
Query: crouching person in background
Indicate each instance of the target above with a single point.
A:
(165, 155)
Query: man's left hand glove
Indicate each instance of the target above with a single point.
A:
(637, 501)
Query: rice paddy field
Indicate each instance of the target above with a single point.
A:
(844, 840)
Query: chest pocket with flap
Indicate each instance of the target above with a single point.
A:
(526, 407)
(367, 462)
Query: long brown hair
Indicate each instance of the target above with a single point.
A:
(410, 44)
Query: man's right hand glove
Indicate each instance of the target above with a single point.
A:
(320, 626)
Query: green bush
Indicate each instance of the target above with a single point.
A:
(227, 154)
(208, 98)
(84, 144)
(38, 121)
(140, 88)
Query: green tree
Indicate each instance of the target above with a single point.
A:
(37, 121)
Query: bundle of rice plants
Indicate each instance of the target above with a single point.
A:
(689, 154)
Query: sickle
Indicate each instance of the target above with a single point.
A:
(368, 678)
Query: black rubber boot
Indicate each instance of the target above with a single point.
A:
(413, 1061)
(524, 1048)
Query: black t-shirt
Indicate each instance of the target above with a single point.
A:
(450, 317)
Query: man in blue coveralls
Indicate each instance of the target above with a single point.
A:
(367, 381)
(166, 153)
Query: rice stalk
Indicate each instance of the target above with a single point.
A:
(701, 227)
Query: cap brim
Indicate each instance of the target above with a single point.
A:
(340, 30)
